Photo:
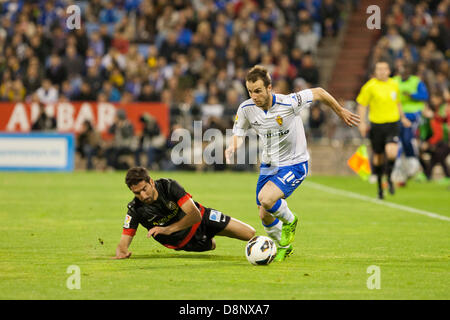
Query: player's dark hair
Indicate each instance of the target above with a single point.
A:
(136, 175)
(259, 73)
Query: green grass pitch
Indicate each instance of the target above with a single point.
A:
(50, 221)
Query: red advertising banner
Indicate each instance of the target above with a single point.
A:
(19, 117)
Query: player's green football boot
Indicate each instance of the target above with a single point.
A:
(288, 232)
(283, 253)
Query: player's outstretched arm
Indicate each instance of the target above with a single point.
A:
(192, 217)
(122, 248)
(348, 117)
(236, 142)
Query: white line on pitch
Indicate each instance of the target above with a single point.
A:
(377, 201)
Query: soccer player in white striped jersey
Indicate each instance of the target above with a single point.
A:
(284, 164)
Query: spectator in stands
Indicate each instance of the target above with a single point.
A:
(232, 100)
(284, 70)
(316, 120)
(194, 45)
(151, 142)
(111, 92)
(330, 14)
(108, 13)
(396, 42)
(170, 47)
(415, 34)
(58, 40)
(97, 44)
(85, 93)
(68, 91)
(93, 9)
(43, 122)
(116, 78)
(12, 91)
(113, 58)
(32, 80)
(307, 40)
(56, 72)
(434, 133)
(89, 143)
(13, 65)
(148, 93)
(94, 79)
(47, 93)
(73, 63)
(123, 141)
(309, 71)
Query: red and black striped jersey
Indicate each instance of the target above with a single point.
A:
(164, 211)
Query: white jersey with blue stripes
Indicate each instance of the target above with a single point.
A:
(280, 128)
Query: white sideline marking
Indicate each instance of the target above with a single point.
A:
(350, 194)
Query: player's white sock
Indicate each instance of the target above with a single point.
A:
(273, 230)
(281, 211)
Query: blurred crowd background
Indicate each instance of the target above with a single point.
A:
(193, 56)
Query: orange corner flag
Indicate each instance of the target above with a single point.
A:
(359, 162)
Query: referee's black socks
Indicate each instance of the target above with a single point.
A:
(389, 167)
(378, 170)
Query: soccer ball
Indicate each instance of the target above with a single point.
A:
(260, 250)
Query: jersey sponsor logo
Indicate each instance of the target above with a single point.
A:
(216, 216)
(126, 223)
(276, 134)
(166, 219)
(279, 120)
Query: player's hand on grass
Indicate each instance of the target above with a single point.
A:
(351, 119)
(122, 255)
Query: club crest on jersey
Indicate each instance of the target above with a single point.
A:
(279, 120)
(171, 205)
(394, 95)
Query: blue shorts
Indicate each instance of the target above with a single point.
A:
(286, 178)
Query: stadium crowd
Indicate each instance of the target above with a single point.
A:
(192, 55)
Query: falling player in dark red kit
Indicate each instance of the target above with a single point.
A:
(173, 218)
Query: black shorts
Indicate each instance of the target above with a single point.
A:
(381, 134)
(212, 223)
